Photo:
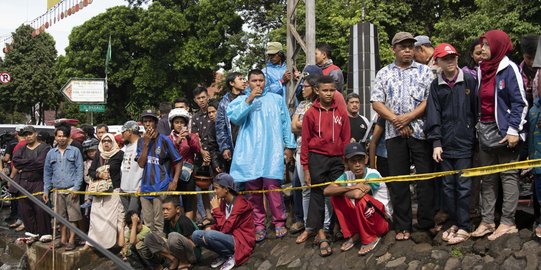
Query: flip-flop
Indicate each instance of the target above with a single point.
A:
(459, 237)
(449, 233)
(483, 230)
(370, 247)
(538, 231)
(281, 232)
(349, 244)
(402, 235)
(328, 248)
(304, 236)
(260, 235)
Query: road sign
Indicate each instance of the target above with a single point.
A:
(85, 90)
(92, 107)
(5, 77)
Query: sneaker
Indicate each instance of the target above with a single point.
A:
(46, 238)
(229, 264)
(217, 262)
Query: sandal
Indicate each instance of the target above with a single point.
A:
(260, 235)
(459, 237)
(538, 231)
(280, 232)
(402, 235)
(297, 227)
(327, 249)
(70, 247)
(304, 236)
(449, 233)
(349, 244)
(483, 230)
(501, 231)
(206, 222)
(365, 249)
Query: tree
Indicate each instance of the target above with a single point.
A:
(159, 53)
(30, 62)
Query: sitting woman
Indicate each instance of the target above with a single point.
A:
(233, 235)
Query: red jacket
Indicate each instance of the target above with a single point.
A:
(240, 224)
(325, 132)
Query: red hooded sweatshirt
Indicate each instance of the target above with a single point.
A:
(324, 131)
(240, 224)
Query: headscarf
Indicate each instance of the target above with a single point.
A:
(108, 154)
(500, 44)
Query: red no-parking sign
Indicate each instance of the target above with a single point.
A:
(5, 77)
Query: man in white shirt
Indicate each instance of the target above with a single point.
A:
(131, 172)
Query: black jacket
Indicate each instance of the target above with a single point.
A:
(114, 167)
(451, 115)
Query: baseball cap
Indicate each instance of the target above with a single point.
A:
(422, 40)
(273, 47)
(149, 113)
(27, 130)
(443, 50)
(225, 180)
(402, 36)
(354, 149)
(129, 126)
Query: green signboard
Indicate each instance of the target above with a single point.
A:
(92, 107)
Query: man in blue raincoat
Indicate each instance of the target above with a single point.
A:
(258, 159)
(276, 73)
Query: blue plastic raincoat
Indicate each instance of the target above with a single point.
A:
(265, 130)
(273, 75)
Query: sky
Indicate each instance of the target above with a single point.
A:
(13, 13)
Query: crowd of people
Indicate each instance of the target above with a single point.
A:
(431, 116)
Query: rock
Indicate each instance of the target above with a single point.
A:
(520, 254)
(414, 265)
(452, 264)
(279, 249)
(438, 254)
(513, 264)
(387, 256)
(421, 237)
(266, 265)
(337, 261)
(5, 267)
(380, 250)
(287, 258)
(525, 234)
(389, 238)
(396, 263)
(430, 266)
(295, 264)
(531, 245)
(481, 246)
(422, 248)
(400, 248)
(488, 259)
(531, 261)
(502, 256)
(471, 260)
(514, 242)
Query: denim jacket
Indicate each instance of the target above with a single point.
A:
(63, 171)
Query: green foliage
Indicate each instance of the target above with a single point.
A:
(30, 63)
(158, 54)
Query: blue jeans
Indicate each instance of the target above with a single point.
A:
(456, 192)
(221, 243)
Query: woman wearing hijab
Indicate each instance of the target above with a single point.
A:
(503, 109)
(107, 214)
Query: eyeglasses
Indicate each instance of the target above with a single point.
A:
(106, 141)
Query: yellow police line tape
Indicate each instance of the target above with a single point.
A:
(478, 171)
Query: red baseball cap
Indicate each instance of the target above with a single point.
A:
(444, 49)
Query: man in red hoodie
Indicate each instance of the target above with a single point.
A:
(325, 133)
(233, 235)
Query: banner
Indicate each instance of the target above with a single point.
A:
(52, 3)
